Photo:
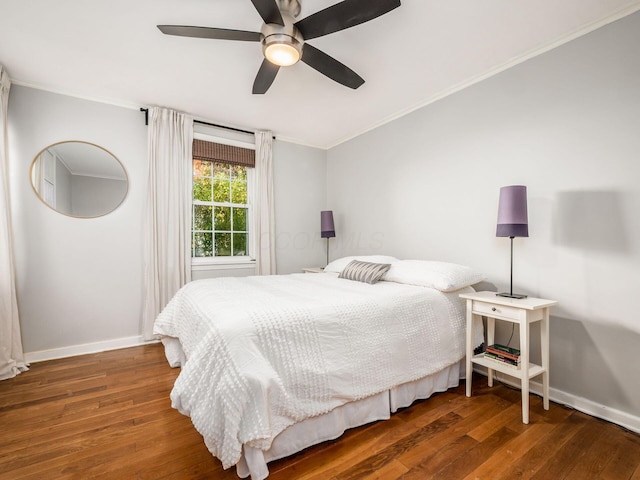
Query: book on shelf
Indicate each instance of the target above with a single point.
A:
(504, 355)
(510, 361)
(503, 361)
(503, 351)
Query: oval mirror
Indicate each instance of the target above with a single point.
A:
(79, 179)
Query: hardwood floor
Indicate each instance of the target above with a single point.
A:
(108, 416)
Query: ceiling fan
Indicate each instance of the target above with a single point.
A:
(284, 40)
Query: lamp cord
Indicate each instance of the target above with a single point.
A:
(513, 327)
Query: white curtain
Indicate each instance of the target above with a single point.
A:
(11, 354)
(168, 212)
(264, 212)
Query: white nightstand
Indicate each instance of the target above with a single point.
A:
(312, 269)
(523, 312)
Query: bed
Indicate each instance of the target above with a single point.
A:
(271, 365)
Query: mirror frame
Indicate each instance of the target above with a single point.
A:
(33, 164)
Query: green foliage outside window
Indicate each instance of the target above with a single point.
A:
(219, 210)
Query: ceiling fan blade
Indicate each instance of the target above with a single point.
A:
(207, 32)
(266, 76)
(346, 14)
(330, 67)
(269, 11)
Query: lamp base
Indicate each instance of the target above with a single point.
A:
(511, 295)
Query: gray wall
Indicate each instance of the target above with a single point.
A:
(567, 125)
(300, 185)
(79, 281)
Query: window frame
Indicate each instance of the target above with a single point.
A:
(227, 262)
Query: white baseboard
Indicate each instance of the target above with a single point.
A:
(74, 350)
(624, 419)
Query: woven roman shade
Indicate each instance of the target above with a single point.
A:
(220, 153)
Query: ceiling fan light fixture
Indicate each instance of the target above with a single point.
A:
(283, 37)
(282, 50)
(281, 54)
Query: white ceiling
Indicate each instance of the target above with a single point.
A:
(111, 50)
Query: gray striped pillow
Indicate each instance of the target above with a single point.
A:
(366, 272)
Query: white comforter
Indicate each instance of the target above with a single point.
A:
(263, 353)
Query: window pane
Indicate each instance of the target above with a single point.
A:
(239, 172)
(202, 189)
(202, 244)
(223, 244)
(202, 218)
(239, 244)
(239, 219)
(221, 170)
(201, 168)
(221, 191)
(222, 217)
(239, 192)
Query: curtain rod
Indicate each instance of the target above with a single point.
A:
(146, 122)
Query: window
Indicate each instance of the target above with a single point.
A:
(221, 201)
(220, 210)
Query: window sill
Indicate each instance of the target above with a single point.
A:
(199, 264)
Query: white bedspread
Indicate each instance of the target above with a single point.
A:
(263, 353)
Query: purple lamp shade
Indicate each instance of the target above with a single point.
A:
(512, 212)
(327, 230)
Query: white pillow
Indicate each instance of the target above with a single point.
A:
(338, 265)
(442, 276)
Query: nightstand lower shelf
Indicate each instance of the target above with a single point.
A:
(534, 369)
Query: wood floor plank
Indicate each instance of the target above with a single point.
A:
(510, 452)
(65, 463)
(570, 454)
(476, 455)
(444, 457)
(596, 455)
(164, 464)
(486, 406)
(625, 460)
(50, 436)
(108, 416)
(529, 463)
(391, 471)
(129, 462)
(491, 425)
(396, 450)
